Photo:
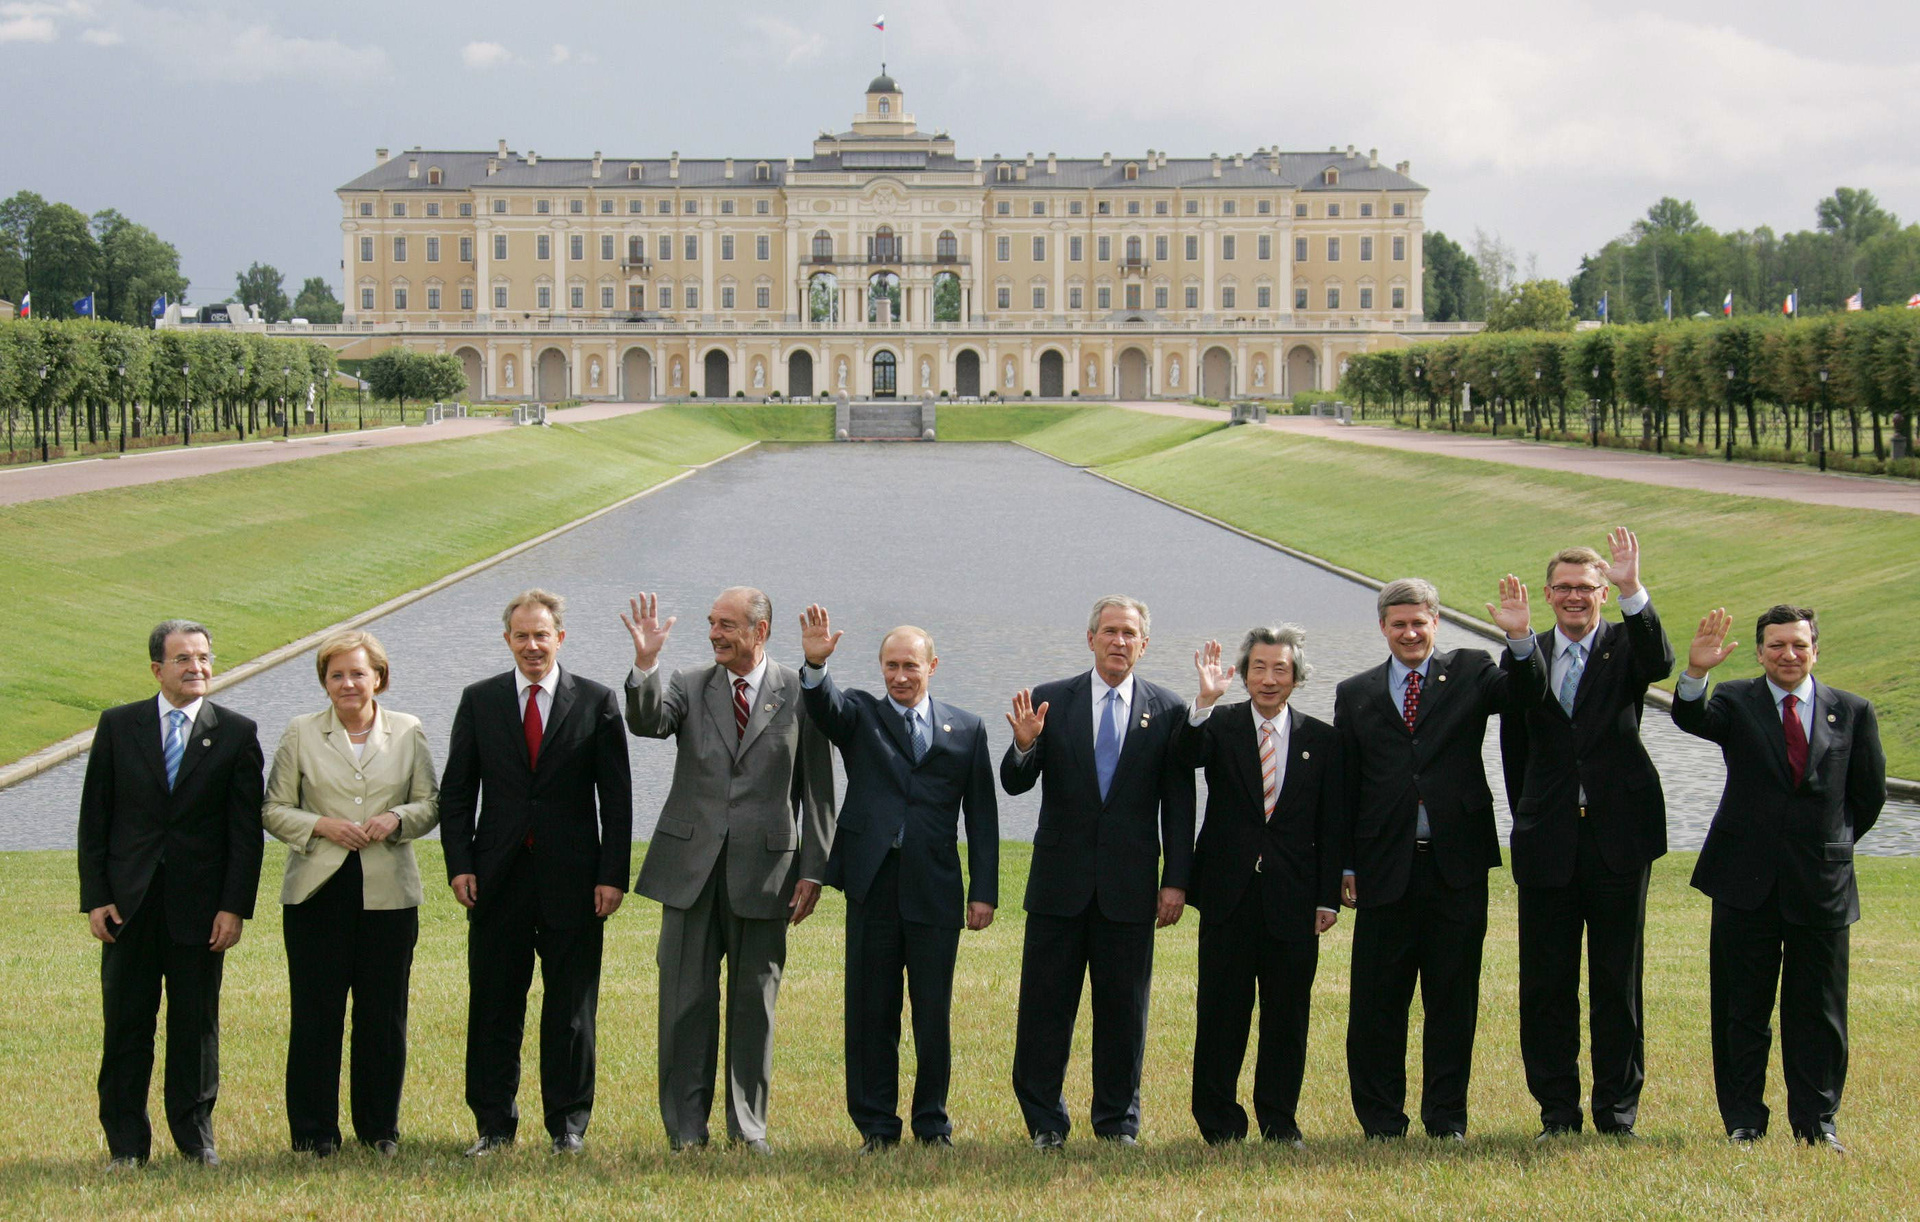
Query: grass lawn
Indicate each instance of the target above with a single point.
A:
(1462, 522)
(52, 1162)
(1114, 435)
(272, 553)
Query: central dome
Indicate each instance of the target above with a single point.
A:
(883, 84)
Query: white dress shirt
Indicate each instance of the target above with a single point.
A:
(1282, 741)
(1100, 689)
(522, 685)
(754, 678)
(166, 707)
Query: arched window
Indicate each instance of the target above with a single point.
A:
(433, 176)
(822, 246)
(947, 249)
(884, 247)
(1331, 177)
(1132, 171)
(886, 107)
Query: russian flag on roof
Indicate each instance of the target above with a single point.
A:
(26, 305)
(880, 22)
(1726, 307)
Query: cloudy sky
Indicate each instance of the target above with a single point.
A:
(226, 126)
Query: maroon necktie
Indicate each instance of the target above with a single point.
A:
(1410, 704)
(1796, 738)
(533, 726)
(740, 710)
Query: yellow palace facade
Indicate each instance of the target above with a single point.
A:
(883, 264)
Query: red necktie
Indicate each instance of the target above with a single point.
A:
(1410, 704)
(740, 710)
(533, 726)
(1796, 738)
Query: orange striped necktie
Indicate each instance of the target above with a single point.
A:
(1269, 768)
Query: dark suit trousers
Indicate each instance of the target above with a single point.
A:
(336, 947)
(133, 968)
(504, 935)
(1431, 936)
(1749, 953)
(881, 947)
(1237, 954)
(1612, 911)
(1058, 955)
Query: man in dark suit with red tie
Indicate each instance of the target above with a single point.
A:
(1112, 802)
(170, 851)
(1422, 840)
(1266, 879)
(1588, 821)
(1806, 778)
(541, 755)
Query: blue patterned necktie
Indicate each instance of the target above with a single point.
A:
(1106, 744)
(176, 745)
(917, 735)
(1576, 664)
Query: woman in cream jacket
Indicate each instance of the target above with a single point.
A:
(351, 788)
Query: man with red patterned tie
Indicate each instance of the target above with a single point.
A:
(1806, 779)
(539, 755)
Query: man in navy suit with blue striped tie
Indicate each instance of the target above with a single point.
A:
(914, 764)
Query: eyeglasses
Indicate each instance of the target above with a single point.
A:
(1569, 591)
(191, 659)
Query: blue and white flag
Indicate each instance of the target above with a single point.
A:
(1669, 305)
(83, 308)
(1601, 310)
(160, 306)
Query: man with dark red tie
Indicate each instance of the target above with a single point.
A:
(540, 752)
(1806, 779)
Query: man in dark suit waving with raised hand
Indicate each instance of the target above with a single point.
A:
(536, 815)
(1112, 801)
(914, 764)
(1423, 839)
(1806, 778)
(1588, 821)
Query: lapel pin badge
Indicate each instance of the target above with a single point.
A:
(1442, 678)
(208, 742)
(1605, 656)
(946, 729)
(1306, 755)
(1831, 718)
(769, 708)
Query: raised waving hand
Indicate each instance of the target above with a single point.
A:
(648, 632)
(1710, 645)
(1624, 571)
(1512, 614)
(817, 637)
(1027, 721)
(1215, 680)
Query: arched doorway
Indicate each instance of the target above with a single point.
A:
(1303, 370)
(966, 374)
(1133, 374)
(800, 375)
(886, 373)
(1053, 374)
(475, 370)
(636, 375)
(553, 382)
(1216, 374)
(716, 367)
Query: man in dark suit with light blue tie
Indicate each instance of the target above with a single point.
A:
(914, 764)
(1112, 802)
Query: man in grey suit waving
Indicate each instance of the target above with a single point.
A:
(738, 853)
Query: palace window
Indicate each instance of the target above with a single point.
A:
(1333, 250)
(691, 207)
(606, 207)
(543, 297)
(1333, 211)
(760, 207)
(883, 247)
(500, 246)
(1399, 298)
(433, 250)
(1003, 207)
(366, 299)
(666, 248)
(1263, 297)
(1159, 207)
(1074, 208)
(1226, 296)
(366, 250)
(726, 296)
(1264, 207)
(1366, 297)
(1192, 297)
(1076, 299)
(1299, 296)
(691, 294)
(1333, 296)
(1299, 250)
(663, 207)
(1366, 248)
(576, 206)
(1228, 207)
(690, 247)
(822, 245)
(633, 172)
(399, 209)
(636, 296)
(1131, 172)
(542, 247)
(466, 299)
(499, 206)
(1193, 248)
(606, 248)
(1039, 250)
(1039, 297)
(1133, 249)
(947, 247)
(1263, 247)
(1159, 296)
(606, 296)
(577, 297)
(1399, 209)
(1133, 296)
(466, 250)
(1104, 296)
(1160, 247)
(366, 207)
(577, 247)
(1103, 208)
(726, 207)
(666, 296)
(1003, 298)
(726, 248)
(1399, 249)
(466, 209)
(543, 206)
(499, 296)
(1133, 207)
(1003, 249)
(1039, 207)
(1193, 207)
(399, 250)
(399, 298)
(1299, 209)
(1103, 247)
(1227, 245)
(762, 172)
(1003, 173)
(1076, 248)
(433, 209)
(762, 247)
(763, 298)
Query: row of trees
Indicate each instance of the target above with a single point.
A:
(1754, 386)
(262, 285)
(60, 254)
(400, 374)
(69, 384)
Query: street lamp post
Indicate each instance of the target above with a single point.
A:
(1537, 406)
(360, 402)
(45, 410)
(1594, 381)
(121, 373)
(186, 414)
(239, 421)
(1820, 422)
(1660, 385)
(1730, 417)
(1493, 414)
(286, 393)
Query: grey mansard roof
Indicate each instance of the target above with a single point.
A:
(462, 171)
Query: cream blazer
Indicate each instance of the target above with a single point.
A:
(314, 774)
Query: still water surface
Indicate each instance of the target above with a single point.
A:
(998, 552)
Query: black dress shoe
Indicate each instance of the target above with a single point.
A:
(1447, 1135)
(1222, 1139)
(126, 1162)
(569, 1143)
(1049, 1140)
(204, 1156)
(1384, 1135)
(1292, 1140)
(325, 1149)
(487, 1145)
(1824, 1141)
(1120, 1139)
(386, 1147)
(676, 1146)
(1551, 1131)
(938, 1141)
(876, 1144)
(1744, 1136)
(1623, 1133)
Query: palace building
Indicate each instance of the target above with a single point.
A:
(884, 263)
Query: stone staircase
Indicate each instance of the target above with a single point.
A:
(884, 420)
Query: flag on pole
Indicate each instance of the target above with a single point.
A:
(1600, 311)
(1726, 307)
(1855, 302)
(26, 305)
(1669, 305)
(880, 23)
(160, 306)
(1913, 302)
(1791, 306)
(83, 308)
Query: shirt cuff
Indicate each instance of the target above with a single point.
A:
(636, 676)
(1521, 649)
(810, 676)
(1334, 911)
(1198, 716)
(1688, 687)
(1634, 604)
(1019, 756)
(1346, 873)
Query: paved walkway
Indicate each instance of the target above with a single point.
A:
(150, 467)
(1703, 474)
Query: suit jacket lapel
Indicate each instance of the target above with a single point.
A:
(336, 735)
(1434, 688)
(1243, 748)
(508, 693)
(896, 726)
(1380, 679)
(146, 722)
(719, 703)
(564, 692)
(1824, 703)
(937, 736)
(776, 688)
(1597, 654)
(1140, 714)
(376, 741)
(1292, 759)
(1772, 729)
(199, 738)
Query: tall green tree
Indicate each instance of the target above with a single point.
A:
(261, 285)
(1453, 290)
(316, 302)
(63, 260)
(1853, 215)
(17, 214)
(1537, 305)
(136, 268)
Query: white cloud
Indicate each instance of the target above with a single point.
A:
(102, 37)
(559, 54)
(787, 42)
(26, 27)
(485, 55)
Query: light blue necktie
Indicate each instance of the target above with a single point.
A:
(176, 744)
(917, 735)
(1576, 664)
(1106, 744)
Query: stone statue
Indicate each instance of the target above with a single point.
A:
(1259, 373)
(842, 383)
(926, 374)
(1173, 373)
(759, 374)
(506, 375)
(1093, 375)
(1006, 374)
(593, 373)
(676, 371)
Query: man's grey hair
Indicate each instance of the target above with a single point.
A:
(1293, 636)
(556, 606)
(157, 639)
(1408, 592)
(1120, 600)
(759, 606)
